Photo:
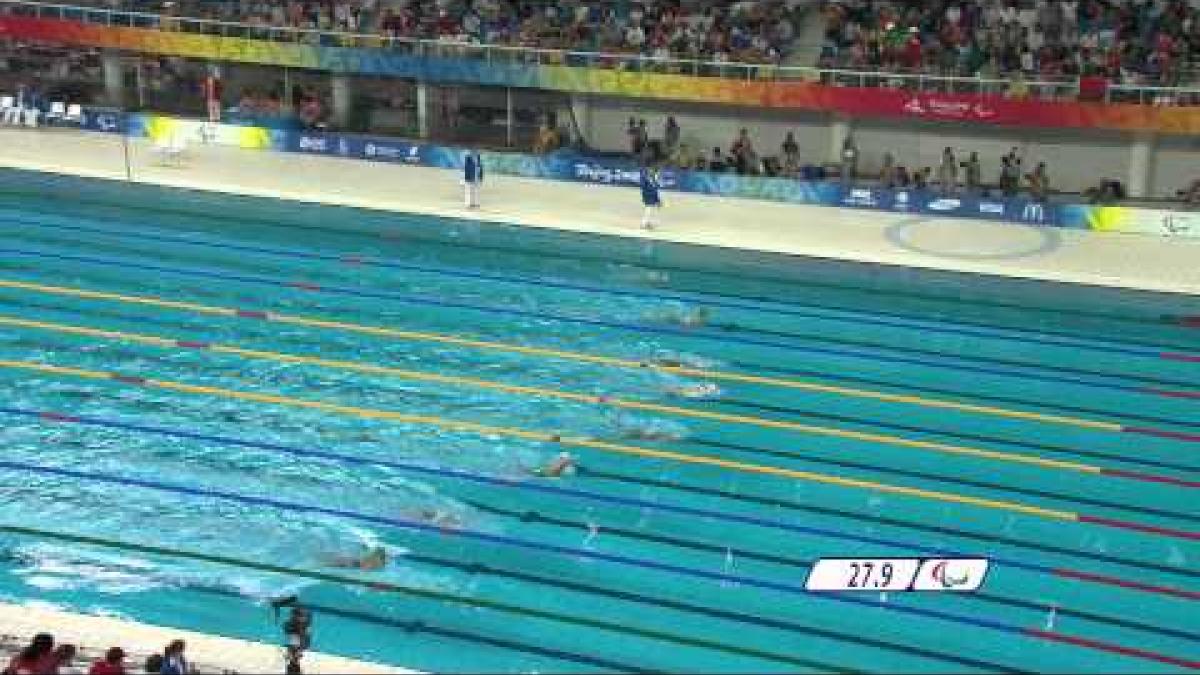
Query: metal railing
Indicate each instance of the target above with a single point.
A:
(528, 56)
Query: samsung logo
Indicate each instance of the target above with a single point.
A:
(945, 205)
(991, 208)
(313, 144)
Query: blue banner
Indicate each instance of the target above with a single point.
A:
(572, 166)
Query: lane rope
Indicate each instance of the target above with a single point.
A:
(803, 310)
(580, 494)
(600, 400)
(869, 351)
(504, 540)
(420, 336)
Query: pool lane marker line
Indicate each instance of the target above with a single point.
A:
(617, 559)
(931, 446)
(615, 402)
(872, 352)
(542, 437)
(581, 442)
(419, 336)
(808, 311)
(576, 493)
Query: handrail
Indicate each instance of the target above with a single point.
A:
(913, 81)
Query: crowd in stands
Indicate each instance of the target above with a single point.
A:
(953, 174)
(41, 656)
(1125, 41)
(753, 31)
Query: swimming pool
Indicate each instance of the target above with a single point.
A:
(210, 397)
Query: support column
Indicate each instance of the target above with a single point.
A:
(422, 110)
(509, 117)
(839, 131)
(1141, 167)
(114, 78)
(343, 98)
(286, 105)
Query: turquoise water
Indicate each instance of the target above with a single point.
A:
(670, 563)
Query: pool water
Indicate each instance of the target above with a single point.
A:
(279, 386)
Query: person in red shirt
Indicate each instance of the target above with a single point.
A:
(913, 51)
(113, 663)
(212, 96)
(37, 658)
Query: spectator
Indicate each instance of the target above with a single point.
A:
(671, 134)
(974, 173)
(921, 178)
(791, 150)
(887, 172)
(635, 145)
(742, 150)
(36, 658)
(716, 162)
(849, 160)
(113, 663)
(64, 660)
(643, 138)
(1039, 183)
(546, 140)
(903, 179)
(948, 172)
(174, 662)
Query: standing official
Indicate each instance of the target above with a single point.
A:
(472, 178)
(651, 184)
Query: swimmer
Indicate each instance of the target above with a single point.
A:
(374, 559)
(688, 318)
(649, 434)
(695, 391)
(558, 467)
(437, 517)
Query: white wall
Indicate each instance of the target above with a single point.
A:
(1076, 159)
(702, 126)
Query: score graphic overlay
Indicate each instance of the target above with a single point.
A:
(954, 575)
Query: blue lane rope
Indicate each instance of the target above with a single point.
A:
(515, 542)
(776, 307)
(524, 485)
(952, 362)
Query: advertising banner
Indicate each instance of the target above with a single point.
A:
(1133, 220)
(766, 92)
(570, 166)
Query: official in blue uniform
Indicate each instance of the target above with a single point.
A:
(651, 199)
(472, 178)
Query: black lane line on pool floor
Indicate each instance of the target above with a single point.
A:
(840, 348)
(803, 310)
(396, 237)
(1052, 448)
(872, 519)
(535, 516)
(939, 478)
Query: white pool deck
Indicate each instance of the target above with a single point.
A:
(1118, 260)
(98, 633)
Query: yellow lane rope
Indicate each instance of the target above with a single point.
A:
(419, 336)
(546, 437)
(559, 394)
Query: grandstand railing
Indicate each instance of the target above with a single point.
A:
(525, 56)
